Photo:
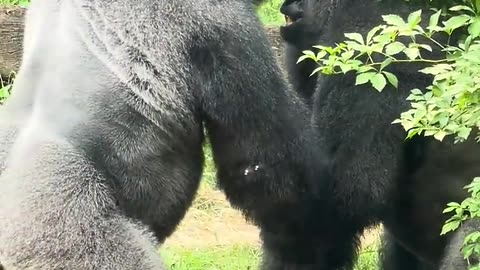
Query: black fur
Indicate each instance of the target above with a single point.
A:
(93, 168)
(378, 176)
(299, 38)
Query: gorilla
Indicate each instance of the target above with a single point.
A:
(378, 176)
(299, 38)
(101, 140)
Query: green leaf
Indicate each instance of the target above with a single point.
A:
(356, 37)
(417, 91)
(437, 69)
(385, 63)
(468, 42)
(320, 47)
(318, 69)
(412, 53)
(451, 226)
(393, 19)
(345, 68)
(378, 81)
(464, 132)
(309, 53)
(414, 18)
(474, 28)
(392, 79)
(354, 63)
(394, 48)
(425, 47)
(411, 132)
(303, 57)
(461, 7)
(453, 204)
(439, 135)
(383, 38)
(449, 209)
(321, 54)
(364, 69)
(5, 91)
(364, 78)
(347, 55)
(456, 22)
(372, 32)
(434, 19)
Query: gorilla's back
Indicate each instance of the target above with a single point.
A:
(133, 116)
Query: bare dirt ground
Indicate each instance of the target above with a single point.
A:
(213, 222)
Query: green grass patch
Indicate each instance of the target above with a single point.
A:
(4, 90)
(269, 13)
(237, 258)
(368, 259)
(22, 3)
(211, 258)
(209, 176)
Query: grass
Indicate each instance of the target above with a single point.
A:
(269, 13)
(212, 258)
(4, 89)
(236, 257)
(22, 3)
(214, 236)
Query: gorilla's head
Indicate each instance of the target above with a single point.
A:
(305, 20)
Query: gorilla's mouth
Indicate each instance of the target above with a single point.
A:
(289, 20)
(292, 10)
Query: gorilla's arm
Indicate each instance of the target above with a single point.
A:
(263, 143)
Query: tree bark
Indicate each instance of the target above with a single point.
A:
(11, 39)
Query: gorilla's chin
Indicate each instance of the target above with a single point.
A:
(293, 33)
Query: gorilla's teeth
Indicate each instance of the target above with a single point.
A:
(288, 20)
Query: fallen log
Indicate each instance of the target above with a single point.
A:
(11, 39)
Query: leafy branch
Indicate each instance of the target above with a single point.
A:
(451, 104)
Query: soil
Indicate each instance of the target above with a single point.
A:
(211, 221)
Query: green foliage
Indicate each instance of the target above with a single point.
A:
(449, 106)
(211, 258)
(238, 257)
(4, 90)
(209, 176)
(22, 3)
(438, 3)
(269, 13)
(468, 209)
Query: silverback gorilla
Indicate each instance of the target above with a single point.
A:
(378, 176)
(101, 142)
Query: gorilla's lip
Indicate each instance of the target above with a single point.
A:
(289, 21)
